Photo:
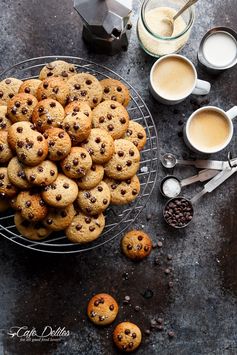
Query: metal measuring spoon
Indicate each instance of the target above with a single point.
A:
(203, 175)
(182, 207)
(169, 161)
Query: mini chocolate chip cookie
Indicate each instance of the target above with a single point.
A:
(127, 336)
(59, 219)
(100, 146)
(43, 174)
(94, 201)
(102, 309)
(78, 126)
(30, 86)
(77, 163)
(125, 162)
(16, 174)
(136, 245)
(31, 206)
(136, 134)
(5, 150)
(33, 231)
(85, 87)
(33, 150)
(116, 91)
(92, 178)
(4, 205)
(111, 116)
(57, 68)
(61, 193)
(77, 106)
(53, 88)
(85, 229)
(7, 189)
(123, 192)
(59, 143)
(5, 123)
(20, 107)
(47, 114)
(9, 87)
(19, 130)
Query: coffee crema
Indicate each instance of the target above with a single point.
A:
(208, 130)
(173, 78)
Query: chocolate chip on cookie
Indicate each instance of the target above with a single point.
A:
(20, 107)
(115, 90)
(92, 178)
(123, 192)
(102, 309)
(112, 117)
(125, 162)
(57, 68)
(43, 174)
(85, 87)
(94, 201)
(100, 146)
(84, 228)
(9, 87)
(53, 88)
(59, 143)
(30, 86)
(58, 219)
(136, 134)
(30, 230)
(77, 163)
(61, 193)
(136, 245)
(31, 206)
(47, 114)
(127, 336)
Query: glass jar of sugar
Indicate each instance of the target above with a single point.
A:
(154, 36)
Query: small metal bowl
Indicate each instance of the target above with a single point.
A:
(164, 180)
(203, 61)
(173, 201)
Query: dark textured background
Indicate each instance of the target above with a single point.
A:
(38, 290)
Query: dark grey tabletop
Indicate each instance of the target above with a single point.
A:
(40, 290)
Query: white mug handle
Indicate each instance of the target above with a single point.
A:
(232, 113)
(202, 87)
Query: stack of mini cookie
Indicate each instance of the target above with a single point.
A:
(68, 149)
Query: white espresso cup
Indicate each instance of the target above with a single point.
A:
(215, 125)
(173, 78)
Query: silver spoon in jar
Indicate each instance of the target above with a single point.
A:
(169, 22)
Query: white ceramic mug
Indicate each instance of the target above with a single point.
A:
(200, 87)
(229, 116)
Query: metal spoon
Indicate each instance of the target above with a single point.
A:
(169, 22)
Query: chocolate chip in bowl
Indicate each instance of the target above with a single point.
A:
(178, 212)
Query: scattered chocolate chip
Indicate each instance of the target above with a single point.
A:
(148, 293)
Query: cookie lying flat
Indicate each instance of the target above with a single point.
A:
(16, 174)
(57, 68)
(112, 117)
(61, 193)
(47, 114)
(78, 126)
(53, 88)
(136, 134)
(100, 146)
(85, 87)
(85, 229)
(125, 162)
(59, 143)
(136, 245)
(92, 178)
(30, 86)
(31, 206)
(123, 192)
(77, 163)
(7, 189)
(29, 230)
(60, 218)
(19, 130)
(116, 91)
(96, 200)
(5, 123)
(5, 150)
(43, 174)
(9, 87)
(127, 336)
(102, 309)
(20, 107)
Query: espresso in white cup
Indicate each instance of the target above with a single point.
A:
(209, 129)
(173, 78)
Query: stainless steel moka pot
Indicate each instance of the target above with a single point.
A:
(106, 24)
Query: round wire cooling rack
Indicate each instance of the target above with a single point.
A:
(118, 218)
